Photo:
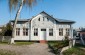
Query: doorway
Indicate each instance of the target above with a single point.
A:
(43, 34)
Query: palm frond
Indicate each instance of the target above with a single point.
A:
(13, 4)
(30, 3)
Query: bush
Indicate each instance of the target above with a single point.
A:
(58, 45)
(6, 31)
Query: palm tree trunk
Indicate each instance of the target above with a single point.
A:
(15, 22)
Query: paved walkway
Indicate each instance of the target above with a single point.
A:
(33, 49)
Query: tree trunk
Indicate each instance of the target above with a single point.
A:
(15, 22)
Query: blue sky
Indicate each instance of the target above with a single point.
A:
(62, 9)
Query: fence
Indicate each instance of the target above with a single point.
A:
(5, 38)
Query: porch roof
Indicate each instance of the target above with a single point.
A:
(21, 20)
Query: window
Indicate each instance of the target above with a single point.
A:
(61, 32)
(25, 31)
(36, 32)
(47, 19)
(50, 32)
(17, 31)
(39, 19)
(67, 32)
(43, 18)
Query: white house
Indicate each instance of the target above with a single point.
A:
(43, 27)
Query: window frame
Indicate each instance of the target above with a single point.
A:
(68, 32)
(60, 31)
(35, 31)
(25, 31)
(47, 19)
(43, 18)
(17, 31)
(50, 32)
(38, 19)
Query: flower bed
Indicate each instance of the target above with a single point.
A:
(58, 45)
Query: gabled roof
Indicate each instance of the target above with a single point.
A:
(59, 20)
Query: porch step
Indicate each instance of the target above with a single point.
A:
(43, 41)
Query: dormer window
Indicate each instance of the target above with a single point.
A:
(39, 19)
(43, 18)
(47, 19)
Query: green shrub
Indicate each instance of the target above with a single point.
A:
(56, 46)
(59, 44)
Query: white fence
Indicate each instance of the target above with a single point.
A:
(5, 38)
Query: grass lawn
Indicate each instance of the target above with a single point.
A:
(5, 52)
(18, 43)
(3, 42)
(77, 50)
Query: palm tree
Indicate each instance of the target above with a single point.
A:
(18, 3)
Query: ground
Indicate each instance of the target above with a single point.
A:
(78, 49)
(33, 49)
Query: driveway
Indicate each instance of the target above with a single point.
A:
(33, 49)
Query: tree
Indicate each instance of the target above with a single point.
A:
(3, 31)
(18, 3)
(8, 30)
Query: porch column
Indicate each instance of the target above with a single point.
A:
(71, 32)
(47, 33)
(71, 37)
(39, 33)
(64, 33)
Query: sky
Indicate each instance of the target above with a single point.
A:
(63, 9)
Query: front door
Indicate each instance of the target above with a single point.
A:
(43, 34)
